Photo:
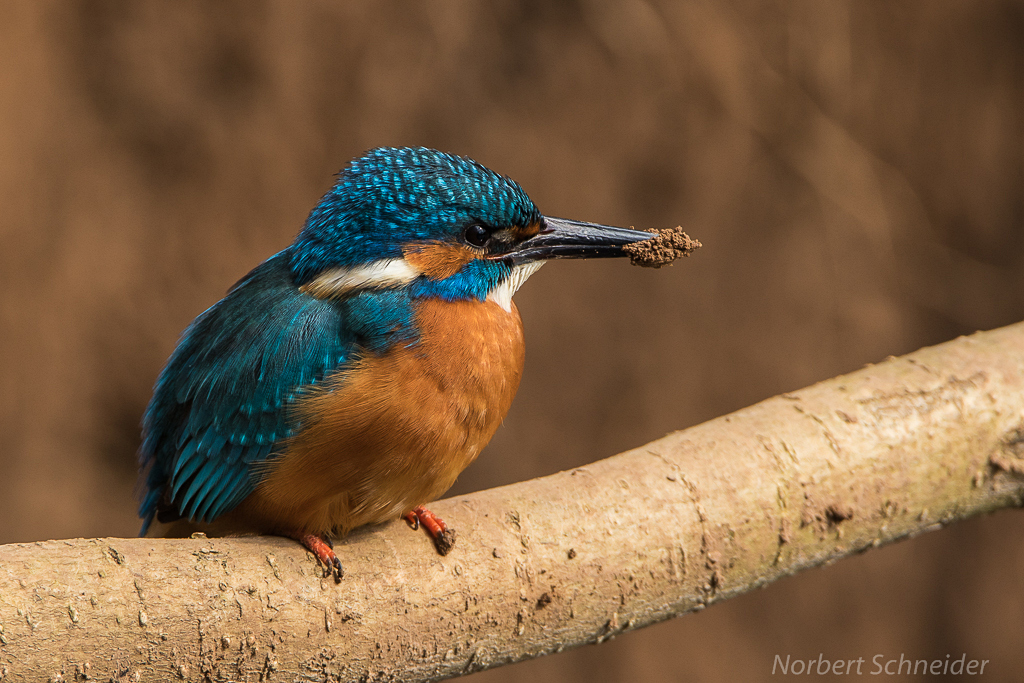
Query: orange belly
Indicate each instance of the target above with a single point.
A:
(394, 431)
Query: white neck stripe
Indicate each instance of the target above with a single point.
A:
(382, 274)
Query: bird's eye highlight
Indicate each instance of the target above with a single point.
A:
(477, 235)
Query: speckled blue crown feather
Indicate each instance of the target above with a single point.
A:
(392, 196)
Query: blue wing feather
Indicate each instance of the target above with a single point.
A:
(220, 406)
(221, 403)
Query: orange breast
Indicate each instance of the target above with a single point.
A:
(392, 432)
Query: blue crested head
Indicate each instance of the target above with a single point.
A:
(392, 197)
(436, 225)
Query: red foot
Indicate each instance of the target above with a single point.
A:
(444, 537)
(323, 549)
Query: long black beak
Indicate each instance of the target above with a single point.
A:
(562, 238)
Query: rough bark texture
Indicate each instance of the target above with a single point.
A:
(578, 557)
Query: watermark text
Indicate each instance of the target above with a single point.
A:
(879, 665)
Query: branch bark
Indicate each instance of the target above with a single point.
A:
(699, 516)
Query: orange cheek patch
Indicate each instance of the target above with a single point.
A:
(526, 231)
(437, 260)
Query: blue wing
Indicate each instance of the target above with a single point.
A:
(220, 404)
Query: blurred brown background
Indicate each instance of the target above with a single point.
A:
(854, 169)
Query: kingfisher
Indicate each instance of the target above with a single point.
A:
(350, 378)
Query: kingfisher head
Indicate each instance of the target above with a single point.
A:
(440, 225)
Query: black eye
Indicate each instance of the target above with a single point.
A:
(477, 235)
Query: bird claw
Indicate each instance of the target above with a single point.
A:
(412, 520)
(441, 533)
(323, 549)
(335, 568)
(445, 541)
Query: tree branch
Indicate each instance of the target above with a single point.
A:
(701, 515)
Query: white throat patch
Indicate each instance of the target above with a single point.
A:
(382, 274)
(503, 291)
